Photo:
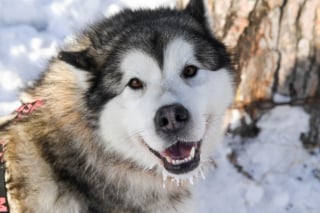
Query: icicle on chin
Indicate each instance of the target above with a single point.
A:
(182, 179)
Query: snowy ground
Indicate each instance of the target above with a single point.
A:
(284, 177)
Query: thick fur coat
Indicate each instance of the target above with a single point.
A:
(105, 139)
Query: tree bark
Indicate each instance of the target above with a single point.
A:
(276, 44)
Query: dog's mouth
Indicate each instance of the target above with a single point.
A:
(181, 157)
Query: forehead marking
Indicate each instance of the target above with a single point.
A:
(178, 54)
(137, 63)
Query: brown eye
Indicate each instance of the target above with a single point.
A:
(190, 71)
(135, 83)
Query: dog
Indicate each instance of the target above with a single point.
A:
(123, 118)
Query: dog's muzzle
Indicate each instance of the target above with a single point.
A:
(182, 156)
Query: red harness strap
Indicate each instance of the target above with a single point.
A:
(23, 110)
(28, 108)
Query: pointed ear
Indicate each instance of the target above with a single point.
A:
(84, 59)
(200, 11)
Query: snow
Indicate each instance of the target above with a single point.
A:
(278, 175)
(284, 175)
(278, 98)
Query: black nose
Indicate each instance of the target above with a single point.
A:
(171, 118)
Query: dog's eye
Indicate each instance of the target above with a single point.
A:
(135, 83)
(189, 71)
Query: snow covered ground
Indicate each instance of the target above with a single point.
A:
(283, 176)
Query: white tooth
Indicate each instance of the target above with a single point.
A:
(192, 152)
(168, 159)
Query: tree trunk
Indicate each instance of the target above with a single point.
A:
(276, 44)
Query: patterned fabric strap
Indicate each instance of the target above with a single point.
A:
(4, 207)
(23, 110)
(28, 108)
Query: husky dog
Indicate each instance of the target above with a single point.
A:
(131, 112)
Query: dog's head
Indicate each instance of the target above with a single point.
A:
(159, 82)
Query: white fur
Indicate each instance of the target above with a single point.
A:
(129, 117)
(47, 199)
(80, 75)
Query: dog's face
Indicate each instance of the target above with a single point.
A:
(164, 115)
(161, 90)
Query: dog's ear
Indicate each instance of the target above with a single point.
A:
(200, 11)
(84, 59)
(84, 63)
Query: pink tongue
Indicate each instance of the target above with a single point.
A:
(179, 150)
